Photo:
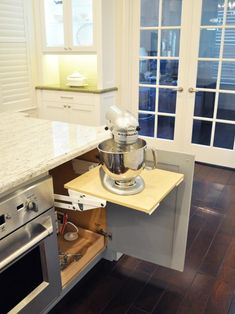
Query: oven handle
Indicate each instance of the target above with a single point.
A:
(24, 239)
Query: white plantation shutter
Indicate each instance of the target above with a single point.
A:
(15, 74)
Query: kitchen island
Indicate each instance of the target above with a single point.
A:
(30, 147)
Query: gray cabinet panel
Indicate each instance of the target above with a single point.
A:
(161, 237)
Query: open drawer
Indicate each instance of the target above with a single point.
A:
(79, 253)
(158, 236)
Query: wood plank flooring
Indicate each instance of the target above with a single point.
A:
(207, 284)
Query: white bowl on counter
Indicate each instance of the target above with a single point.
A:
(76, 80)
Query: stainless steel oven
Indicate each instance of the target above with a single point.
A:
(29, 264)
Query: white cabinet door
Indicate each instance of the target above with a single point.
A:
(75, 107)
(52, 16)
(53, 110)
(82, 24)
(81, 108)
(83, 114)
(161, 237)
(67, 25)
(71, 113)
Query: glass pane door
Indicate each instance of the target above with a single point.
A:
(213, 124)
(20, 279)
(54, 23)
(160, 31)
(186, 83)
(82, 23)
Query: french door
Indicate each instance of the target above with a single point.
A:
(185, 70)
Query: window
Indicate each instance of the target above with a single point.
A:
(160, 28)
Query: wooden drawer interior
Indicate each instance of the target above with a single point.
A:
(88, 244)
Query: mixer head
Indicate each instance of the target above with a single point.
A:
(122, 157)
(123, 125)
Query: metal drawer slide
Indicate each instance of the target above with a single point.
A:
(78, 201)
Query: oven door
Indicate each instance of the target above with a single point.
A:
(29, 267)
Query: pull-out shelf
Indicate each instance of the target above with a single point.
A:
(158, 184)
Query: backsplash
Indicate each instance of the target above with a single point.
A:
(56, 68)
(84, 64)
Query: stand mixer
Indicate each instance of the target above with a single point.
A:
(122, 157)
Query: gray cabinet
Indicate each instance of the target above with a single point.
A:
(151, 225)
(160, 237)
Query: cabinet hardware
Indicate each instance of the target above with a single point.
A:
(179, 89)
(65, 48)
(69, 106)
(70, 48)
(105, 234)
(86, 110)
(66, 97)
(192, 90)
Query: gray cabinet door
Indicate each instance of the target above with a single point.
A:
(161, 237)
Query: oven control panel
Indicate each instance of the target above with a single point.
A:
(24, 205)
(31, 205)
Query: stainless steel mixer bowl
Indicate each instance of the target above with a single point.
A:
(122, 162)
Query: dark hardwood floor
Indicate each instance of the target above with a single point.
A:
(207, 284)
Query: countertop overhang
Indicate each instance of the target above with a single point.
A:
(30, 147)
(82, 89)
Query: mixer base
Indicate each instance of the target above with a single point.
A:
(129, 189)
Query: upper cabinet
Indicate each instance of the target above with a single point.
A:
(67, 31)
(68, 25)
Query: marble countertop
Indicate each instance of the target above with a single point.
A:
(29, 147)
(84, 89)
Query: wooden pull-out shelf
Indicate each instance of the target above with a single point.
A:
(158, 183)
(89, 244)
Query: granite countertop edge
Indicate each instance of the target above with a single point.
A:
(42, 169)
